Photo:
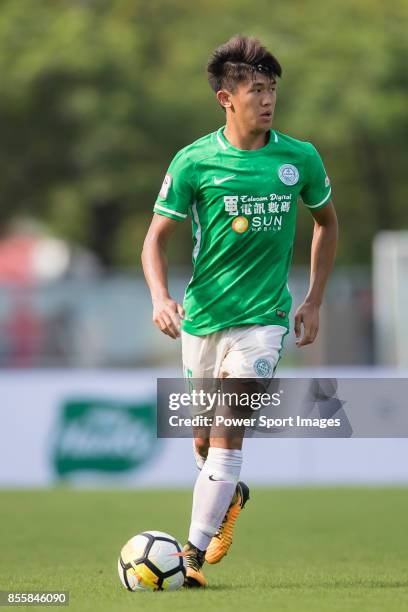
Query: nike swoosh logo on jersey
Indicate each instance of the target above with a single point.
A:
(218, 181)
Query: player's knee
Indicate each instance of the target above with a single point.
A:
(202, 445)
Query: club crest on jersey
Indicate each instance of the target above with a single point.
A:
(288, 174)
(165, 187)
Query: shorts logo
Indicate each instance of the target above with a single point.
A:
(263, 368)
(165, 187)
(288, 174)
(326, 181)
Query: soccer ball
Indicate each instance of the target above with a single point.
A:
(152, 561)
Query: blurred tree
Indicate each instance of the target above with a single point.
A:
(98, 96)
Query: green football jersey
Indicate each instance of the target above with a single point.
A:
(243, 206)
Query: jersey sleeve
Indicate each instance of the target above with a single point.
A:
(177, 192)
(317, 189)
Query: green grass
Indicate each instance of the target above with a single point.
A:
(295, 549)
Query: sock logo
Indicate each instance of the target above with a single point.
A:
(211, 477)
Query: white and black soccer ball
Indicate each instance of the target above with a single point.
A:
(152, 561)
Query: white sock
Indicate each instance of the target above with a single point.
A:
(213, 491)
(198, 458)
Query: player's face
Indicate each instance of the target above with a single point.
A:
(253, 103)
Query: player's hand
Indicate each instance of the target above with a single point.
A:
(167, 314)
(307, 315)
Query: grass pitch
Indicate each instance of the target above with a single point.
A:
(295, 549)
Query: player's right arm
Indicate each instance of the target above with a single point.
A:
(166, 311)
(172, 206)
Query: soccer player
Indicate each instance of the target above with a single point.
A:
(241, 185)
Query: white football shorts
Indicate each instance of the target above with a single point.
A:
(247, 351)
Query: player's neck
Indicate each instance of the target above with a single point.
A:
(243, 139)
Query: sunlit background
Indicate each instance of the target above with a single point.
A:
(96, 98)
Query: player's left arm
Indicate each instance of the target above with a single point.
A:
(323, 252)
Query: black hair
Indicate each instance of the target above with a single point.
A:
(238, 60)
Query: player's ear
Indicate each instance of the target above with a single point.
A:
(224, 98)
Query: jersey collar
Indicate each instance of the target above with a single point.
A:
(225, 144)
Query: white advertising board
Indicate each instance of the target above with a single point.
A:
(98, 428)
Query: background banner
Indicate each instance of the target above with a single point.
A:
(94, 428)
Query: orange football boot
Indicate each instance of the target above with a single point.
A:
(222, 540)
(194, 560)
